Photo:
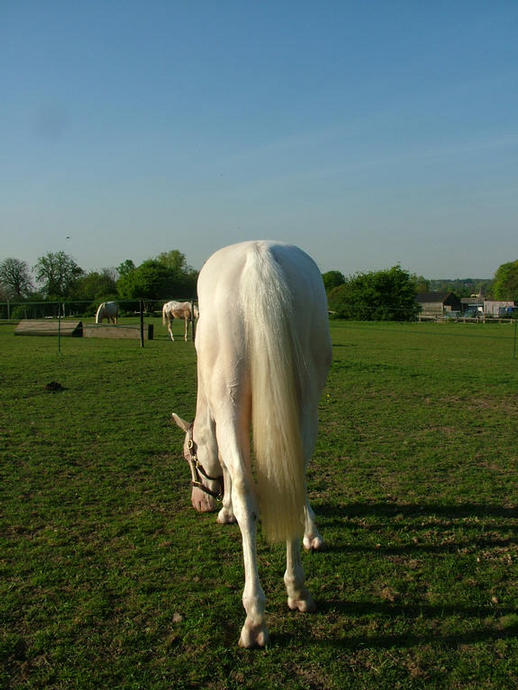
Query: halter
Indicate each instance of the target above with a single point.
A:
(197, 469)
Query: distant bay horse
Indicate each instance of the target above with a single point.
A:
(263, 350)
(109, 311)
(178, 310)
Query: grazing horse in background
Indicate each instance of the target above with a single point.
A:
(263, 351)
(107, 310)
(178, 310)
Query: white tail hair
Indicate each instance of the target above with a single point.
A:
(276, 370)
(100, 310)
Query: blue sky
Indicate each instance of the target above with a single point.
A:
(369, 133)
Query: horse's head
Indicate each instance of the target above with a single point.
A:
(206, 489)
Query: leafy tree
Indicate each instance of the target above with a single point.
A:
(376, 296)
(185, 275)
(58, 274)
(97, 285)
(151, 280)
(168, 276)
(174, 260)
(15, 278)
(4, 293)
(463, 287)
(505, 284)
(421, 284)
(332, 279)
(126, 267)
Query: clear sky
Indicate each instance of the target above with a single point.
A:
(368, 132)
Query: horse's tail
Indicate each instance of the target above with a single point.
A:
(163, 314)
(275, 377)
(98, 315)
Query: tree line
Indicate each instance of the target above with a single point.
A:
(391, 294)
(57, 277)
(377, 295)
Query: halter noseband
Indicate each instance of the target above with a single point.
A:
(197, 469)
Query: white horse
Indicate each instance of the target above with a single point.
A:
(263, 350)
(178, 310)
(107, 310)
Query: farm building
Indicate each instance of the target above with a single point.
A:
(494, 307)
(435, 304)
(488, 307)
(474, 302)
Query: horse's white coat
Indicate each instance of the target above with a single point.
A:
(263, 350)
(107, 310)
(178, 310)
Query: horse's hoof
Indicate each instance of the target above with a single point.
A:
(313, 543)
(306, 605)
(253, 637)
(225, 517)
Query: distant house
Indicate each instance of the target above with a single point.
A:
(488, 307)
(434, 304)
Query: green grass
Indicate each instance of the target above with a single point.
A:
(108, 578)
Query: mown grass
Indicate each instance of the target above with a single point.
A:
(108, 578)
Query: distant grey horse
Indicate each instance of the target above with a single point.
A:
(107, 310)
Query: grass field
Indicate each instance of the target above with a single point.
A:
(109, 579)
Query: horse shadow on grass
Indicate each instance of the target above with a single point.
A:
(493, 627)
(412, 510)
(476, 520)
(495, 622)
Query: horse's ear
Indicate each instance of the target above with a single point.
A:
(181, 423)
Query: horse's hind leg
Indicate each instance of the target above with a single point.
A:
(313, 540)
(298, 596)
(169, 322)
(186, 326)
(254, 632)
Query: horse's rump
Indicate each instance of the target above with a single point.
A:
(275, 288)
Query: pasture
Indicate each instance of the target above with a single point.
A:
(108, 577)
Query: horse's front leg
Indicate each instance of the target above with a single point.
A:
(226, 514)
(313, 540)
(298, 596)
(186, 326)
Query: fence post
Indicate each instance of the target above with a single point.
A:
(141, 323)
(59, 328)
